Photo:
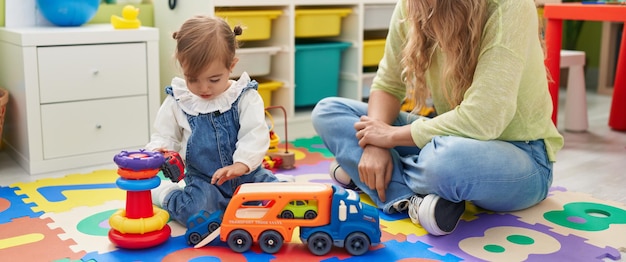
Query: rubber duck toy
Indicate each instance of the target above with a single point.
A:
(128, 20)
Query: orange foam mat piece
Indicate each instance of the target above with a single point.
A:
(30, 239)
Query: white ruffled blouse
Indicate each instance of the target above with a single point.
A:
(171, 129)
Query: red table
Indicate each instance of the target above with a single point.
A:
(555, 14)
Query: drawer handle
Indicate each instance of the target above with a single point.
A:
(95, 72)
(98, 126)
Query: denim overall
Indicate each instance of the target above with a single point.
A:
(211, 146)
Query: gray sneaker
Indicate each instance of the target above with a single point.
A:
(341, 177)
(436, 215)
(401, 205)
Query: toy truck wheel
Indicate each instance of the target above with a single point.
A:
(239, 241)
(213, 226)
(270, 241)
(310, 214)
(357, 244)
(320, 243)
(287, 214)
(194, 238)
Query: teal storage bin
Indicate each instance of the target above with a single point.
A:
(317, 70)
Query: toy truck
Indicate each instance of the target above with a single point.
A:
(255, 214)
(173, 167)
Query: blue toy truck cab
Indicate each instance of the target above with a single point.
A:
(353, 225)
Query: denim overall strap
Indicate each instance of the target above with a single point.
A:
(169, 91)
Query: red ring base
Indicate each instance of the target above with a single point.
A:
(138, 241)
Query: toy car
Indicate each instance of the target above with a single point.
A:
(201, 225)
(173, 167)
(300, 209)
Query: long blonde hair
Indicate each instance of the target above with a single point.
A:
(455, 27)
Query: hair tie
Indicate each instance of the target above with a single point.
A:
(237, 30)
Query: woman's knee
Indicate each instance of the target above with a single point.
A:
(324, 106)
(335, 114)
(445, 157)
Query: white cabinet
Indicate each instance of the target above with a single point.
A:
(365, 17)
(79, 95)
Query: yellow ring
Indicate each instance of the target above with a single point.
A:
(125, 225)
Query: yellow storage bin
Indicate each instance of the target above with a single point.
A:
(266, 87)
(257, 24)
(373, 51)
(320, 22)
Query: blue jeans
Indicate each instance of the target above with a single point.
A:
(199, 194)
(495, 175)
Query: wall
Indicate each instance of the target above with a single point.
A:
(146, 13)
(589, 41)
(1, 13)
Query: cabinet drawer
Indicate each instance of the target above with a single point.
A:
(92, 126)
(71, 73)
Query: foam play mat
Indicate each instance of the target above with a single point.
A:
(67, 219)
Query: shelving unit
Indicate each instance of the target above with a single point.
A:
(354, 28)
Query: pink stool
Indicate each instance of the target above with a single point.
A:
(576, 95)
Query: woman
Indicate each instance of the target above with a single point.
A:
(493, 142)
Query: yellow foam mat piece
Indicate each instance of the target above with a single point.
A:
(89, 189)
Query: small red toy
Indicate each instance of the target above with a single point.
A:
(272, 163)
(173, 167)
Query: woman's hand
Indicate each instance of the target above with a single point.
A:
(376, 137)
(375, 168)
(370, 131)
(374, 132)
(228, 172)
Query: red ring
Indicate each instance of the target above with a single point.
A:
(138, 241)
(141, 174)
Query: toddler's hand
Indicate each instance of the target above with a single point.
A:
(228, 172)
(161, 150)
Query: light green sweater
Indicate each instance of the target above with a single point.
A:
(508, 99)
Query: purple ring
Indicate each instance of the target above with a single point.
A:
(139, 160)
